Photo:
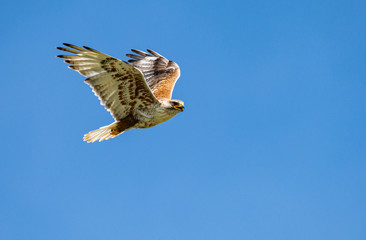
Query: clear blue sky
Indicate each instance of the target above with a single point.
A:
(271, 144)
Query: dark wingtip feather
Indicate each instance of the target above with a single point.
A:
(137, 57)
(91, 49)
(154, 53)
(67, 61)
(73, 46)
(63, 49)
(140, 52)
(60, 56)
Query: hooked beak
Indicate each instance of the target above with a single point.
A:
(181, 108)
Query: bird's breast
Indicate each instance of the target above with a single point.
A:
(155, 117)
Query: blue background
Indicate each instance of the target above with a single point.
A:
(271, 144)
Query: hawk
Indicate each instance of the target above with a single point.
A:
(137, 93)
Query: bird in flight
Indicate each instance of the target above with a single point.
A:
(137, 93)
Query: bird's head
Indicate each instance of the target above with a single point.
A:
(177, 104)
(173, 104)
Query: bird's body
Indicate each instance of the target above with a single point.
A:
(155, 115)
(138, 94)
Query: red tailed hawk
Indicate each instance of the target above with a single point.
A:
(137, 94)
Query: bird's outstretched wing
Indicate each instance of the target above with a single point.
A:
(160, 73)
(120, 87)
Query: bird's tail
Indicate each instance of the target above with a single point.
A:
(104, 133)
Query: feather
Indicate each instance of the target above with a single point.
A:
(73, 46)
(140, 52)
(134, 56)
(154, 53)
(68, 50)
(91, 49)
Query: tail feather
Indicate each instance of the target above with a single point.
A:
(103, 133)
